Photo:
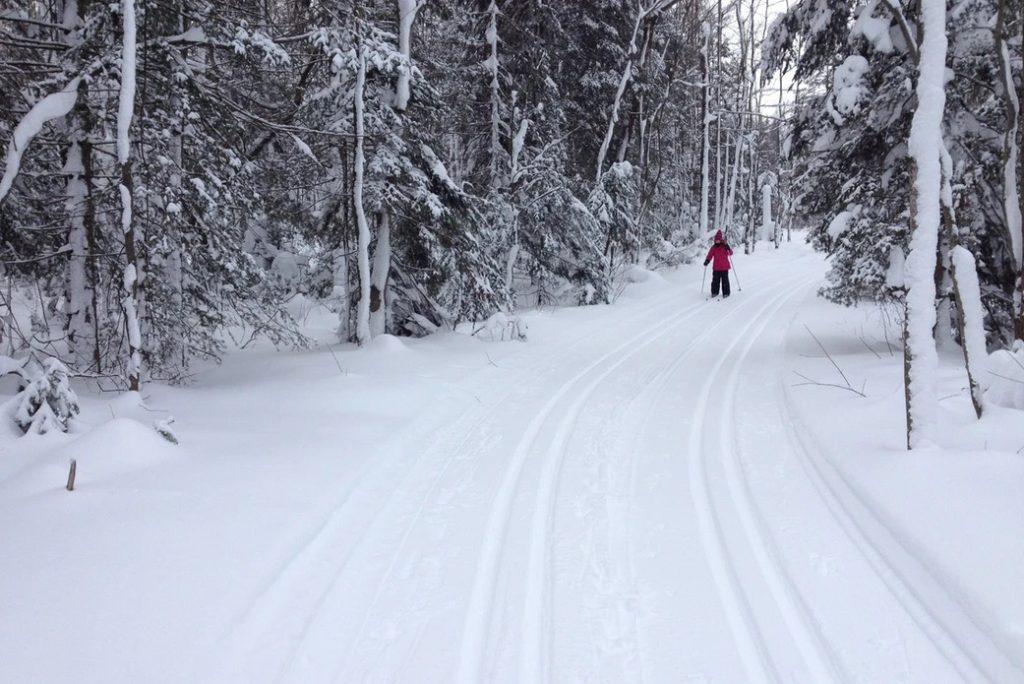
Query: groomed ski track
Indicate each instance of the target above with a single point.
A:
(638, 505)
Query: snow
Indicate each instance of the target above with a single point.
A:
(126, 98)
(53, 106)
(841, 223)
(406, 16)
(666, 500)
(1006, 378)
(895, 275)
(194, 34)
(925, 146)
(304, 148)
(363, 256)
(874, 29)
(1011, 200)
(848, 87)
(517, 146)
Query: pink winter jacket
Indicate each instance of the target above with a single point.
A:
(719, 254)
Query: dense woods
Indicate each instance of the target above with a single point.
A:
(179, 171)
(412, 164)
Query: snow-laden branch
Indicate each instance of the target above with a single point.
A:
(904, 26)
(53, 106)
(642, 15)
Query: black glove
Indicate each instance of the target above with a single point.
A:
(707, 261)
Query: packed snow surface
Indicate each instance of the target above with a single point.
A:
(667, 489)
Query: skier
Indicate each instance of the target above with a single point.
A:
(719, 254)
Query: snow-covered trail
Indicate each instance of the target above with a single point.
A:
(594, 523)
(630, 497)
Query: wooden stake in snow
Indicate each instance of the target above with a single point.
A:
(71, 475)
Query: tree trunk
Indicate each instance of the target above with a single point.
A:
(492, 65)
(379, 277)
(705, 163)
(126, 106)
(920, 357)
(966, 293)
(1012, 183)
(363, 332)
(81, 341)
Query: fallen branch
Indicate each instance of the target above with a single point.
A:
(848, 388)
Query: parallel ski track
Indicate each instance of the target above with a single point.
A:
(410, 475)
(755, 654)
(483, 595)
(657, 388)
(299, 568)
(855, 517)
(536, 625)
(535, 628)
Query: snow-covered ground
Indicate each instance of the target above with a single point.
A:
(642, 492)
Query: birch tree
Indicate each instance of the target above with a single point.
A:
(1011, 159)
(363, 245)
(920, 357)
(125, 112)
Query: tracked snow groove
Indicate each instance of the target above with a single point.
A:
(606, 510)
(956, 637)
(479, 613)
(296, 593)
(750, 641)
(536, 622)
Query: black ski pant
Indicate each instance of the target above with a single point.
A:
(720, 279)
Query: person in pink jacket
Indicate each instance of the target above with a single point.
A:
(718, 257)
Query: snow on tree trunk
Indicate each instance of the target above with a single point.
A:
(730, 208)
(510, 265)
(513, 253)
(517, 147)
(340, 294)
(967, 292)
(79, 332)
(750, 244)
(491, 65)
(125, 111)
(80, 339)
(363, 250)
(1011, 153)
(627, 75)
(173, 266)
(963, 274)
(920, 357)
(705, 162)
(767, 225)
(379, 277)
(406, 15)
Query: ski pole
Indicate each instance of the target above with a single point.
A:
(703, 278)
(738, 286)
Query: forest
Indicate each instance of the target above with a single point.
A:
(178, 171)
(524, 341)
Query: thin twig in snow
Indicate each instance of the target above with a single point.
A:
(336, 361)
(826, 384)
(865, 343)
(828, 356)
